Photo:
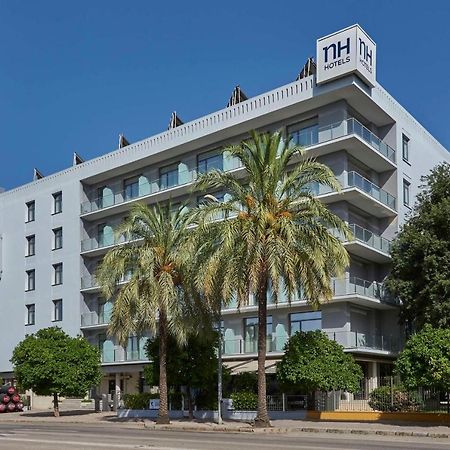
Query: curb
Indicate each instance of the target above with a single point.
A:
(281, 430)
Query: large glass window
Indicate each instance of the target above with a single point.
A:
(168, 176)
(305, 321)
(31, 314)
(104, 310)
(57, 274)
(57, 202)
(251, 333)
(31, 245)
(131, 188)
(31, 280)
(57, 310)
(31, 211)
(209, 161)
(57, 238)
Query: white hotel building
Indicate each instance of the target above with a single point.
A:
(56, 229)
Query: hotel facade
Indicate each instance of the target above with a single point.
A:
(55, 230)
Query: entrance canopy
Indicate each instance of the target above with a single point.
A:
(250, 365)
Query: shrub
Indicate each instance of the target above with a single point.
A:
(245, 382)
(138, 401)
(395, 399)
(244, 401)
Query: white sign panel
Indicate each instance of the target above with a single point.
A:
(154, 403)
(347, 51)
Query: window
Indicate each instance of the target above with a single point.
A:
(251, 334)
(168, 176)
(406, 199)
(306, 321)
(31, 314)
(57, 274)
(31, 211)
(57, 203)
(209, 161)
(31, 280)
(57, 238)
(405, 148)
(131, 188)
(306, 135)
(31, 245)
(57, 310)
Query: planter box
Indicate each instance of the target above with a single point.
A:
(145, 414)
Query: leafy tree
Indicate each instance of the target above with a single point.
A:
(425, 360)
(193, 365)
(420, 274)
(158, 296)
(312, 362)
(50, 362)
(277, 236)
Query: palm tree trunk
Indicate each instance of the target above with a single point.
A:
(163, 412)
(262, 417)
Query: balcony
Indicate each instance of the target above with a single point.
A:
(366, 342)
(118, 195)
(121, 355)
(350, 340)
(94, 320)
(360, 192)
(367, 244)
(89, 283)
(349, 135)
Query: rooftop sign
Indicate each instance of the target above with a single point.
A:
(347, 51)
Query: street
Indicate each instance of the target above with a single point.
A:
(114, 436)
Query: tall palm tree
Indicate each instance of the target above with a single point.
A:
(158, 296)
(277, 236)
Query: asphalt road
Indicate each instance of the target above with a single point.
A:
(113, 436)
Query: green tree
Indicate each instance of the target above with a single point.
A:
(420, 274)
(52, 363)
(277, 237)
(158, 296)
(425, 360)
(193, 365)
(312, 362)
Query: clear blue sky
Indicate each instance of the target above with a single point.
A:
(75, 74)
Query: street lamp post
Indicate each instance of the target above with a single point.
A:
(219, 370)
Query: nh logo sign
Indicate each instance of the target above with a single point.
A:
(348, 51)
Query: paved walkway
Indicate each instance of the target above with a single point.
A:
(278, 426)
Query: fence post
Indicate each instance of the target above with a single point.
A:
(392, 391)
(283, 400)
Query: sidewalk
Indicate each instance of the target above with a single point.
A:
(278, 426)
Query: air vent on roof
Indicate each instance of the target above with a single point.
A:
(77, 159)
(237, 96)
(123, 141)
(37, 175)
(175, 121)
(308, 69)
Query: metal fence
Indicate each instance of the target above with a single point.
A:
(385, 394)
(287, 402)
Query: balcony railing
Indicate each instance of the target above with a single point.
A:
(121, 355)
(348, 339)
(367, 341)
(318, 135)
(90, 281)
(371, 239)
(354, 179)
(96, 243)
(92, 318)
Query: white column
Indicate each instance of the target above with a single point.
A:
(373, 374)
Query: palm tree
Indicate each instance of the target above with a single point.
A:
(277, 236)
(158, 296)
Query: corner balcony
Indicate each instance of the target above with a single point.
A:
(353, 137)
(360, 192)
(354, 342)
(367, 245)
(89, 283)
